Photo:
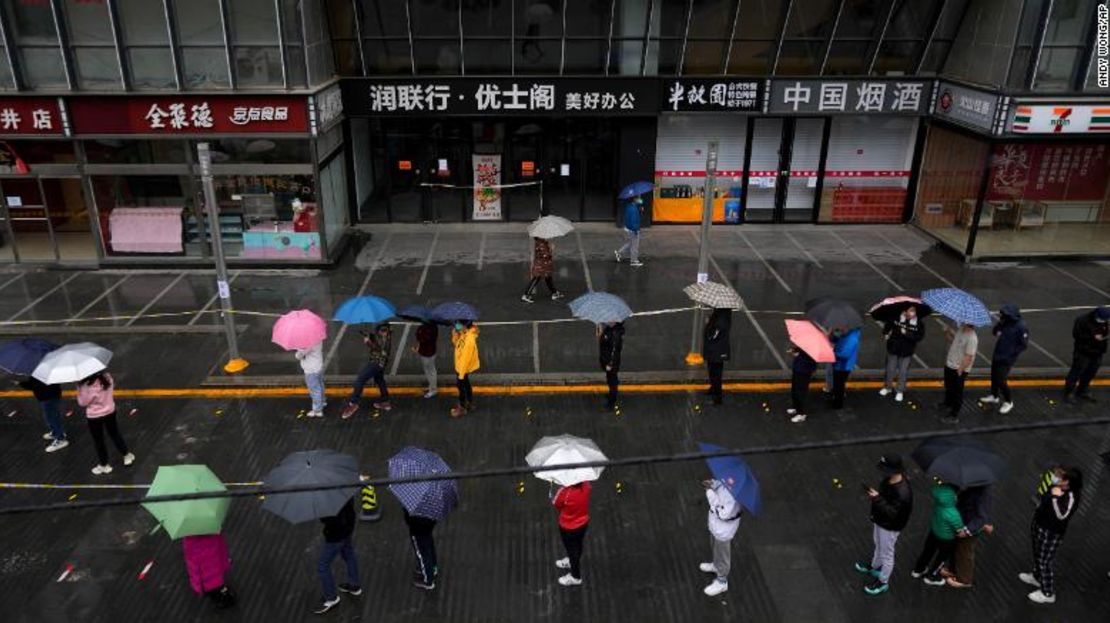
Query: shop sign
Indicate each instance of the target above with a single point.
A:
(527, 168)
(465, 96)
(329, 106)
(404, 165)
(30, 115)
(188, 114)
(1060, 118)
(683, 94)
(1049, 172)
(487, 187)
(853, 97)
(966, 106)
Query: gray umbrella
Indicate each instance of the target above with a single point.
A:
(306, 469)
(832, 313)
(599, 307)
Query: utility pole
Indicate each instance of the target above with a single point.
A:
(235, 362)
(694, 358)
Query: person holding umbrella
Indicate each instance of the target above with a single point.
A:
(732, 489)
(716, 349)
(809, 345)
(464, 337)
(846, 348)
(1012, 339)
(633, 214)
(425, 503)
(50, 400)
(378, 344)
(902, 335)
(573, 503)
(962, 347)
(610, 341)
(303, 332)
(95, 394)
(338, 529)
(1090, 332)
(974, 505)
(312, 364)
(20, 358)
(1050, 522)
(891, 506)
(543, 267)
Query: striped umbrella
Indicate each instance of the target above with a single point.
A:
(712, 294)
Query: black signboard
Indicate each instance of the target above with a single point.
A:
(723, 94)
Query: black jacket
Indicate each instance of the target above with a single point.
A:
(891, 509)
(715, 344)
(1054, 513)
(42, 391)
(609, 345)
(1012, 334)
(340, 526)
(903, 336)
(974, 505)
(1084, 331)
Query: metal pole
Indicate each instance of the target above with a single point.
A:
(694, 358)
(235, 362)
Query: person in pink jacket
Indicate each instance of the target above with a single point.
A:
(95, 395)
(207, 560)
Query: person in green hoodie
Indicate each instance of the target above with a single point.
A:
(945, 526)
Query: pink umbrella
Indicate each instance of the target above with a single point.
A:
(808, 337)
(299, 329)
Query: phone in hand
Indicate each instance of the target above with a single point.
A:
(866, 487)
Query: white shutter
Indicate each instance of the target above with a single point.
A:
(681, 137)
(867, 145)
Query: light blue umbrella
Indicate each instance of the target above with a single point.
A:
(735, 474)
(433, 499)
(959, 306)
(365, 310)
(600, 307)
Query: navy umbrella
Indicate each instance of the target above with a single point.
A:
(416, 313)
(734, 472)
(455, 310)
(23, 356)
(635, 189)
(313, 468)
(832, 313)
(958, 461)
(432, 499)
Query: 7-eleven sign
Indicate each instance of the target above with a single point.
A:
(1057, 119)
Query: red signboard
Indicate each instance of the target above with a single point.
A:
(188, 114)
(1049, 172)
(30, 115)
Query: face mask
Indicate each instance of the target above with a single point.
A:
(1055, 480)
(458, 326)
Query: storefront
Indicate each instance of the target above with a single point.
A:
(115, 180)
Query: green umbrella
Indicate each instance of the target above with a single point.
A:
(187, 517)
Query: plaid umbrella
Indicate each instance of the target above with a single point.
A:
(455, 310)
(712, 294)
(833, 313)
(548, 227)
(960, 306)
(433, 499)
(600, 307)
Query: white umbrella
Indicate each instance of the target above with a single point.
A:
(72, 362)
(565, 449)
(548, 227)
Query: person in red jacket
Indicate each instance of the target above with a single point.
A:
(573, 503)
(207, 560)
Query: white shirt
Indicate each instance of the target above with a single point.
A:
(312, 359)
(724, 512)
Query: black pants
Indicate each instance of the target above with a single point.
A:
(934, 554)
(716, 370)
(548, 281)
(223, 597)
(466, 392)
(424, 546)
(799, 388)
(370, 371)
(97, 426)
(1083, 369)
(840, 385)
(614, 384)
(953, 390)
(572, 541)
(1000, 376)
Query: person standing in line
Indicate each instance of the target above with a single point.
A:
(724, 521)
(1012, 339)
(312, 364)
(424, 546)
(802, 370)
(902, 336)
(207, 560)
(716, 348)
(945, 527)
(964, 343)
(891, 506)
(543, 267)
(95, 394)
(610, 341)
(427, 334)
(337, 542)
(633, 216)
(974, 506)
(846, 348)
(50, 400)
(378, 345)
(465, 339)
(573, 504)
(1050, 522)
(1090, 332)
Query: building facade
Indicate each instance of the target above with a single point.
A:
(983, 122)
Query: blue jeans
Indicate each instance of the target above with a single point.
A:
(371, 371)
(328, 554)
(52, 413)
(315, 384)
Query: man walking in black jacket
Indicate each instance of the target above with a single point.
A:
(1090, 335)
(610, 340)
(891, 505)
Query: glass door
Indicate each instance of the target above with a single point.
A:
(783, 172)
(29, 219)
(802, 163)
(763, 171)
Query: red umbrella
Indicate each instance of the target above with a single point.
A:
(811, 339)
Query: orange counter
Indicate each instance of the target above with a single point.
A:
(685, 210)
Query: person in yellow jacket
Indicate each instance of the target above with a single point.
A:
(465, 338)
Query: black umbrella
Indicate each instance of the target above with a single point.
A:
(959, 461)
(833, 313)
(889, 309)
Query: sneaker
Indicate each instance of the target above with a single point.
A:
(791, 411)
(350, 588)
(569, 580)
(419, 582)
(1029, 579)
(430, 393)
(868, 569)
(934, 580)
(526, 298)
(458, 411)
(915, 574)
(325, 605)
(47, 436)
(898, 397)
(716, 588)
(988, 400)
(128, 459)
(1038, 597)
(1006, 408)
(798, 419)
(563, 563)
(707, 567)
(884, 391)
(878, 587)
(56, 445)
(557, 295)
(954, 583)
(617, 254)
(636, 264)
(349, 410)
(383, 405)
(100, 470)
(1084, 398)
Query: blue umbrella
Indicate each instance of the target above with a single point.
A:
(455, 310)
(365, 309)
(599, 307)
(23, 356)
(635, 189)
(736, 475)
(418, 313)
(957, 305)
(433, 498)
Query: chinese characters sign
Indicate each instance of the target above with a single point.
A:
(855, 97)
(967, 106)
(1049, 171)
(188, 114)
(329, 106)
(30, 116)
(1060, 119)
(487, 187)
(713, 94)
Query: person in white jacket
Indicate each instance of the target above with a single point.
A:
(312, 362)
(724, 521)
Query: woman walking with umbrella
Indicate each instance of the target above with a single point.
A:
(543, 254)
(633, 214)
(903, 328)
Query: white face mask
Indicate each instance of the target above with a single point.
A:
(1055, 479)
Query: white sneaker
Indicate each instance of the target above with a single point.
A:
(898, 397)
(707, 567)
(884, 391)
(100, 470)
(1029, 579)
(798, 419)
(57, 444)
(48, 436)
(430, 393)
(791, 411)
(128, 459)
(988, 400)
(1006, 408)
(716, 588)
(636, 264)
(570, 580)
(563, 563)
(1038, 597)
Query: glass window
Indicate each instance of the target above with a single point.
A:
(42, 68)
(97, 68)
(630, 18)
(848, 57)
(912, 19)
(341, 19)
(317, 44)
(333, 197)
(294, 65)
(800, 58)
(204, 67)
(867, 169)
(387, 56)
(260, 150)
(7, 80)
(583, 56)
(142, 22)
(681, 140)
(712, 19)
(1057, 68)
(118, 151)
(88, 23)
(44, 152)
(33, 32)
(269, 216)
(858, 18)
(151, 68)
(347, 62)
(253, 22)
(588, 18)
(538, 18)
(625, 57)
(812, 19)
(291, 21)
(934, 57)
(198, 22)
(752, 58)
(704, 57)
(390, 19)
(662, 57)
(430, 19)
(485, 56)
(536, 56)
(1069, 22)
(436, 56)
(490, 18)
(896, 58)
(168, 227)
(257, 66)
(760, 20)
(948, 185)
